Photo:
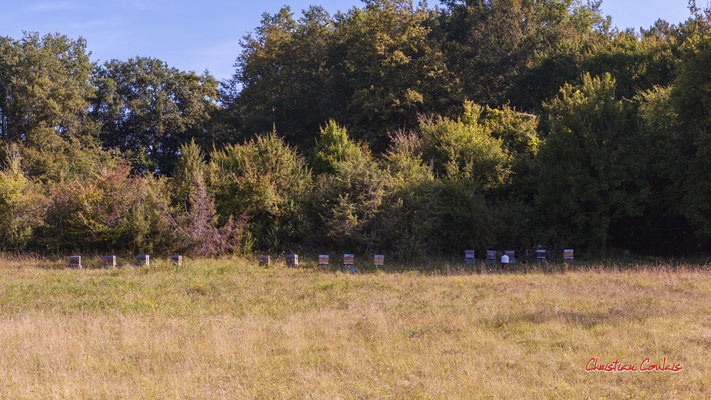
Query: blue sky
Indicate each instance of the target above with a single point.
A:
(199, 35)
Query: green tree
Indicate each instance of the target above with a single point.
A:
(334, 146)
(410, 223)
(591, 164)
(267, 181)
(464, 149)
(44, 86)
(691, 100)
(196, 219)
(190, 168)
(664, 221)
(148, 110)
(283, 79)
(489, 43)
(374, 68)
(110, 211)
(392, 69)
(22, 205)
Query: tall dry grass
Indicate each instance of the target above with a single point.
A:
(229, 329)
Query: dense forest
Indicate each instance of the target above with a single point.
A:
(393, 126)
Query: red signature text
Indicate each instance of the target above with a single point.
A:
(645, 366)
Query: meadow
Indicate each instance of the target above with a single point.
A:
(228, 328)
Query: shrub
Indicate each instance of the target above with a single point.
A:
(21, 204)
(334, 146)
(110, 211)
(196, 222)
(464, 149)
(349, 202)
(267, 181)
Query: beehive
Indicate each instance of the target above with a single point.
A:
(264, 261)
(348, 259)
(469, 257)
(568, 255)
(109, 261)
(143, 260)
(379, 260)
(323, 259)
(177, 259)
(541, 255)
(292, 260)
(512, 256)
(75, 262)
(490, 256)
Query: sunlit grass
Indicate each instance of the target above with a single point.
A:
(230, 329)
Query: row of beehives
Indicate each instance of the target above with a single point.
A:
(292, 260)
(541, 255)
(143, 260)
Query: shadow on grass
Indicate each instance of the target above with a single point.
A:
(584, 319)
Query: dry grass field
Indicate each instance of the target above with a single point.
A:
(230, 329)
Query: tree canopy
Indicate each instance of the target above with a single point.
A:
(394, 125)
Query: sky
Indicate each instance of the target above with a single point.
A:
(204, 35)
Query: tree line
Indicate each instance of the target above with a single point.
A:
(392, 126)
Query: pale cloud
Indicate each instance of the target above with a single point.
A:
(101, 23)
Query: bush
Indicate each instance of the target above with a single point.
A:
(268, 182)
(22, 204)
(348, 205)
(464, 149)
(196, 222)
(334, 146)
(110, 211)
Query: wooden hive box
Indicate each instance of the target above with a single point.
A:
(292, 260)
(379, 260)
(541, 255)
(109, 261)
(348, 259)
(568, 255)
(75, 262)
(512, 256)
(469, 257)
(264, 261)
(177, 259)
(323, 259)
(491, 256)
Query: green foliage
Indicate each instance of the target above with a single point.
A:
(196, 219)
(392, 69)
(44, 89)
(691, 100)
(518, 131)
(349, 204)
(576, 135)
(373, 68)
(283, 79)
(489, 44)
(266, 180)
(40, 107)
(464, 149)
(190, 169)
(590, 163)
(22, 205)
(110, 211)
(410, 220)
(148, 110)
(332, 147)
